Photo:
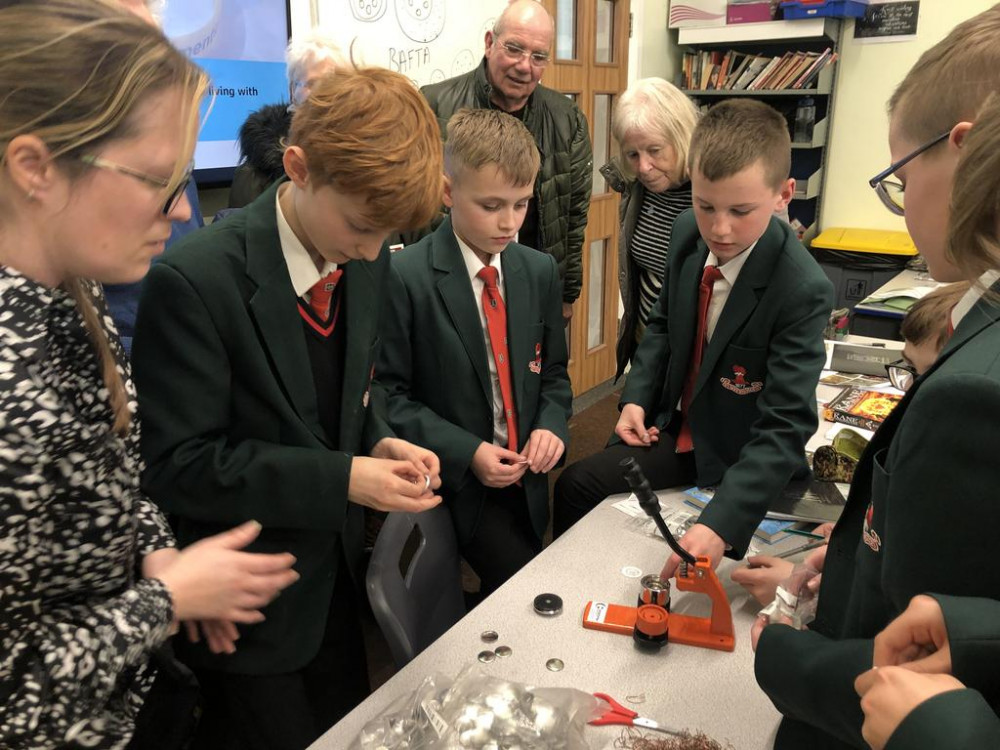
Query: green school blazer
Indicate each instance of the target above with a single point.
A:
(231, 428)
(433, 364)
(920, 518)
(754, 403)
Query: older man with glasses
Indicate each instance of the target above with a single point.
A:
(517, 53)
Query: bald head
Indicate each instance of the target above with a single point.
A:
(517, 50)
(524, 13)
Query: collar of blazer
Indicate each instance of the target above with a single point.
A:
(273, 308)
(743, 297)
(454, 286)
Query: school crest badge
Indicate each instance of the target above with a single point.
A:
(367, 394)
(739, 384)
(868, 535)
(535, 365)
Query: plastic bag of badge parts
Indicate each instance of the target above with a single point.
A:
(479, 712)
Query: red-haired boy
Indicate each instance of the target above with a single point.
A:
(254, 349)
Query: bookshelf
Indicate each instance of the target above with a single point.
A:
(794, 49)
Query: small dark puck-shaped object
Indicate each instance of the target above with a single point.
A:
(548, 605)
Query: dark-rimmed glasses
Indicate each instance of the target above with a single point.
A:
(901, 374)
(157, 182)
(891, 191)
(517, 52)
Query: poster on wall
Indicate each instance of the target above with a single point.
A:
(888, 21)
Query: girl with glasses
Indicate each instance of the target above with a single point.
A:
(924, 493)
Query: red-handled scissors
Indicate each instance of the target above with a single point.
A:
(618, 714)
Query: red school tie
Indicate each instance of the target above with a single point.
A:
(496, 324)
(709, 276)
(320, 294)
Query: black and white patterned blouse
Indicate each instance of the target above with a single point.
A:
(76, 630)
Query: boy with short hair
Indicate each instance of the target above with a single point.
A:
(254, 350)
(474, 355)
(722, 387)
(927, 325)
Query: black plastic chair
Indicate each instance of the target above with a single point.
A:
(414, 581)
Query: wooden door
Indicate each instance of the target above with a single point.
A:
(590, 65)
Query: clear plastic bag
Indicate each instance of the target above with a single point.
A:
(479, 712)
(795, 601)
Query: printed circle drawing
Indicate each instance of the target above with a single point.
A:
(464, 62)
(368, 11)
(437, 75)
(421, 20)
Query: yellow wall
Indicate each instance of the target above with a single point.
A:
(859, 142)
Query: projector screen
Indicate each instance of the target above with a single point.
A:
(241, 45)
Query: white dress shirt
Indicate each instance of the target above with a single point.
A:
(474, 266)
(971, 297)
(301, 268)
(720, 292)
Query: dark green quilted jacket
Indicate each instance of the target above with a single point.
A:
(562, 189)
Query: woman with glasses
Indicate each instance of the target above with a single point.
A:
(98, 116)
(923, 500)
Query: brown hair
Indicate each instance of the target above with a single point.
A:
(369, 133)
(72, 73)
(974, 218)
(736, 134)
(930, 316)
(481, 137)
(951, 80)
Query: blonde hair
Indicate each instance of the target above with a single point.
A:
(736, 134)
(72, 73)
(655, 107)
(481, 137)
(368, 132)
(930, 317)
(974, 218)
(951, 80)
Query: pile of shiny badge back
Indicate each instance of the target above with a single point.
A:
(476, 711)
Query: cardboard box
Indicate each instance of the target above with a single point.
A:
(694, 13)
(758, 11)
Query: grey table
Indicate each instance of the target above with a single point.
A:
(683, 687)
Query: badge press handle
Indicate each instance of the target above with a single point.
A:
(693, 574)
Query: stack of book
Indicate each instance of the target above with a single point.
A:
(860, 407)
(706, 70)
(806, 500)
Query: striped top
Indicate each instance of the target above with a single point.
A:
(651, 239)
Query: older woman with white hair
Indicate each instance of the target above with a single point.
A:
(653, 122)
(309, 57)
